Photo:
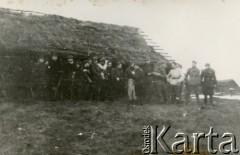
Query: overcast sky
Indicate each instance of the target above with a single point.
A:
(207, 31)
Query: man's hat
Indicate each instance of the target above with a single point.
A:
(194, 62)
(94, 58)
(207, 64)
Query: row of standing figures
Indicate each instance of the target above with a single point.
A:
(97, 80)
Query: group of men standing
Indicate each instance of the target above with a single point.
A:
(96, 79)
(206, 79)
(168, 82)
(91, 79)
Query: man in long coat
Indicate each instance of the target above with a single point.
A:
(159, 77)
(208, 82)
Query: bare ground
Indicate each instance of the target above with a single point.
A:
(85, 128)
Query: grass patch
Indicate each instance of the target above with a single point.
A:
(102, 128)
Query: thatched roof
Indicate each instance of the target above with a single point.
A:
(230, 83)
(22, 31)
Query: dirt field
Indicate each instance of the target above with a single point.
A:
(65, 128)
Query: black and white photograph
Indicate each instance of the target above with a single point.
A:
(119, 77)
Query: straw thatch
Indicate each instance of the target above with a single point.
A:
(26, 35)
(28, 31)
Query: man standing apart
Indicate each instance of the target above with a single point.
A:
(192, 79)
(209, 82)
(175, 77)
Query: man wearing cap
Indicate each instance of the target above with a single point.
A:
(159, 80)
(69, 75)
(54, 75)
(208, 82)
(175, 78)
(192, 81)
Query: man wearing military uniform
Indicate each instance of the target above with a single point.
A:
(54, 74)
(39, 79)
(192, 81)
(208, 82)
(159, 81)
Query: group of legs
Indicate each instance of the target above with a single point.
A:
(207, 91)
